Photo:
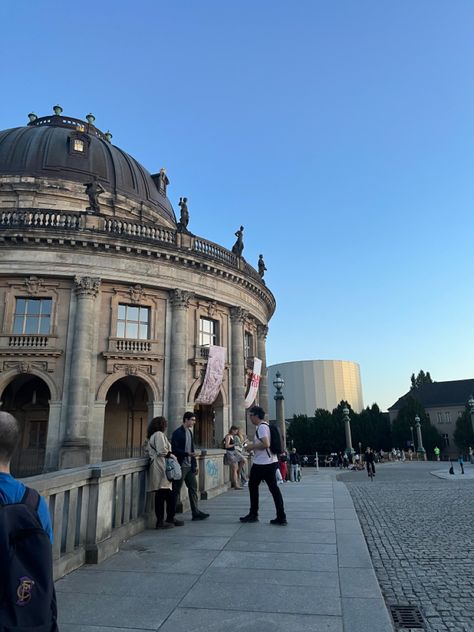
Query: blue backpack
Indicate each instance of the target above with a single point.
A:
(27, 595)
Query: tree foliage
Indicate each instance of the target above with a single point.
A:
(401, 427)
(463, 435)
(420, 379)
(325, 433)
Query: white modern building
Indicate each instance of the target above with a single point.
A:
(312, 384)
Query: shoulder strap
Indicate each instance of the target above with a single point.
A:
(31, 499)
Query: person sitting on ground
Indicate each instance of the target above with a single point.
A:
(158, 448)
(370, 461)
(235, 459)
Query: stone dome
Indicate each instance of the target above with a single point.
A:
(58, 147)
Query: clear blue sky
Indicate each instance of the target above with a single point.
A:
(340, 133)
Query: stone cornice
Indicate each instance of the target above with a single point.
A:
(87, 240)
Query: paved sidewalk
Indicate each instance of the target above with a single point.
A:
(220, 575)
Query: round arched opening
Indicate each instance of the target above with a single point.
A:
(27, 398)
(209, 417)
(126, 419)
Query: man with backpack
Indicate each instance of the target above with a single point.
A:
(266, 447)
(27, 596)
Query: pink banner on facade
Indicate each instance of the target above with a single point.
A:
(214, 375)
(254, 382)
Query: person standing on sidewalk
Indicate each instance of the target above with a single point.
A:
(158, 448)
(294, 462)
(182, 445)
(265, 464)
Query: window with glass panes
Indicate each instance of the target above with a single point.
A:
(208, 332)
(248, 345)
(133, 322)
(32, 316)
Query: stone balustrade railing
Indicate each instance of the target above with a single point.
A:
(65, 220)
(93, 508)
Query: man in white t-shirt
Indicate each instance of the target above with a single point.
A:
(263, 468)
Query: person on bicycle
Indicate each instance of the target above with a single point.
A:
(370, 461)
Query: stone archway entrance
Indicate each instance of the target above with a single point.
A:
(209, 421)
(27, 398)
(126, 419)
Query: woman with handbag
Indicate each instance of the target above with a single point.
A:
(158, 448)
(234, 458)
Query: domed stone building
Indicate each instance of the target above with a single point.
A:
(108, 305)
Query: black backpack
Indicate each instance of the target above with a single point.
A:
(27, 595)
(276, 446)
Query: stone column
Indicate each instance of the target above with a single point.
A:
(178, 358)
(237, 317)
(262, 331)
(75, 449)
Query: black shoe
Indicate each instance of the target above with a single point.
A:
(249, 518)
(279, 521)
(201, 516)
(176, 523)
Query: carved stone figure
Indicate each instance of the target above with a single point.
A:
(93, 190)
(238, 247)
(261, 266)
(163, 181)
(184, 218)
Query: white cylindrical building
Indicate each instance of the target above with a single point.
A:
(312, 384)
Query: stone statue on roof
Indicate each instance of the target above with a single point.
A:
(93, 190)
(184, 218)
(238, 247)
(261, 266)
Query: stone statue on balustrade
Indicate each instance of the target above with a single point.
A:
(93, 190)
(261, 266)
(238, 247)
(184, 218)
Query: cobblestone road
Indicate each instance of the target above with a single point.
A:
(420, 530)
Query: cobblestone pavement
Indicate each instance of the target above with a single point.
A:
(420, 533)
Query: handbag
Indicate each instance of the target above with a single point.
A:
(173, 470)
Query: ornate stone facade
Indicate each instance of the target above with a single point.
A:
(106, 317)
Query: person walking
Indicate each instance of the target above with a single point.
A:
(158, 448)
(182, 446)
(26, 536)
(294, 463)
(461, 463)
(265, 464)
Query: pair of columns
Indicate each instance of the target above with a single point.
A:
(178, 362)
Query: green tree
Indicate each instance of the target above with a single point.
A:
(401, 433)
(463, 435)
(420, 379)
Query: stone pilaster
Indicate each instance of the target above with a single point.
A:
(75, 449)
(262, 331)
(237, 317)
(178, 358)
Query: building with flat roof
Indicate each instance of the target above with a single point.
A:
(312, 384)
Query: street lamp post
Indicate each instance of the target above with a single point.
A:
(412, 438)
(347, 428)
(279, 383)
(420, 450)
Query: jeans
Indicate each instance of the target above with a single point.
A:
(293, 472)
(267, 473)
(191, 483)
